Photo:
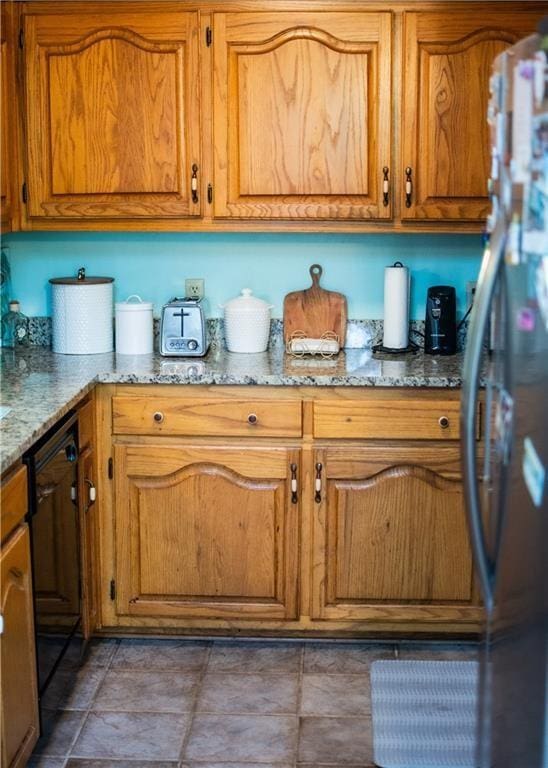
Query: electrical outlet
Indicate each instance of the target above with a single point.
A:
(194, 288)
(470, 293)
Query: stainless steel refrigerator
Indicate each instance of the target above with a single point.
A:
(506, 381)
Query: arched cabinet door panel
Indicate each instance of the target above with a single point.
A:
(19, 692)
(445, 140)
(302, 115)
(112, 114)
(9, 107)
(206, 532)
(390, 538)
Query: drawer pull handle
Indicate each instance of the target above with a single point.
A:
(158, 417)
(294, 497)
(318, 484)
(194, 183)
(252, 418)
(443, 421)
(92, 492)
(385, 187)
(408, 186)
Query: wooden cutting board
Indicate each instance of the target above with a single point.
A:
(315, 310)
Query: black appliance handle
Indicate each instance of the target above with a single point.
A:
(471, 377)
(63, 436)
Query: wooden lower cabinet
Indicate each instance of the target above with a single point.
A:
(206, 531)
(389, 535)
(86, 494)
(19, 688)
(228, 531)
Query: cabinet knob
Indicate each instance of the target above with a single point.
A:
(158, 417)
(252, 418)
(443, 421)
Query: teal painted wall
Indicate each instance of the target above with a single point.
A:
(154, 265)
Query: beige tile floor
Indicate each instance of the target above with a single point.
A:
(222, 704)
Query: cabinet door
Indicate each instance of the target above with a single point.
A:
(7, 105)
(445, 140)
(390, 540)
(19, 688)
(301, 115)
(112, 113)
(206, 532)
(86, 495)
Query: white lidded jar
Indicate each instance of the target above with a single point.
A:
(247, 323)
(82, 314)
(134, 328)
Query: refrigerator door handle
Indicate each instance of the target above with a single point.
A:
(471, 380)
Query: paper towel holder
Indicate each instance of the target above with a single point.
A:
(411, 346)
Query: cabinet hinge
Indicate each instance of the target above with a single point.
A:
(209, 193)
(21, 38)
(209, 36)
(24, 193)
(112, 589)
(110, 469)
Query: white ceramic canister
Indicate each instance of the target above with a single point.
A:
(133, 324)
(247, 323)
(82, 314)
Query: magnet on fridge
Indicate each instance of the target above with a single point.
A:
(522, 121)
(541, 284)
(525, 320)
(512, 252)
(534, 472)
(539, 65)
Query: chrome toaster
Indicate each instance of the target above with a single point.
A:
(183, 330)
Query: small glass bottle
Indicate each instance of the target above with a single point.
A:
(15, 330)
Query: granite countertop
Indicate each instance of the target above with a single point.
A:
(39, 387)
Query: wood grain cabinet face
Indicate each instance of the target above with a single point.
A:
(112, 113)
(390, 539)
(302, 114)
(4, 150)
(86, 482)
(445, 141)
(8, 112)
(205, 532)
(19, 694)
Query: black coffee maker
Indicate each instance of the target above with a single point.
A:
(440, 331)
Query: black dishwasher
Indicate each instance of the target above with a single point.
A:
(54, 527)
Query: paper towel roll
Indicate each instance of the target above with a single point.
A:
(396, 307)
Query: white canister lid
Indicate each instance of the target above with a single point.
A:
(133, 306)
(246, 303)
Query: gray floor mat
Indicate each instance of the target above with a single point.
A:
(424, 713)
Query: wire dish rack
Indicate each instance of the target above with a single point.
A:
(299, 345)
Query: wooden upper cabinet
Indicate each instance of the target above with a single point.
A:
(301, 114)
(8, 119)
(206, 532)
(4, 149)
(112, 113)
(445, 141)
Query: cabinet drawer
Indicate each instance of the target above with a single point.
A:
(390, 418)
(13, 500)
(201, 417)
